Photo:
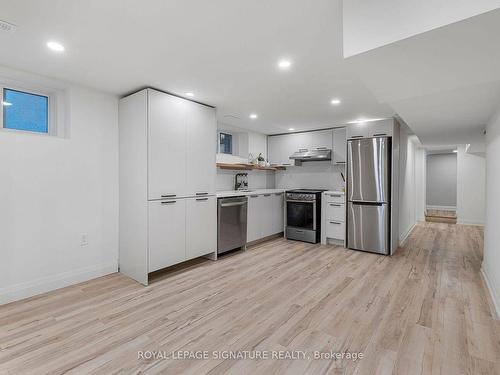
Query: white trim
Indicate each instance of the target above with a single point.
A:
(441, 208)
(489, 286)
(50, 283)
(404, 237)
(470, 222)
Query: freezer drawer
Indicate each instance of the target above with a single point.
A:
(368, 227)
(368, 169)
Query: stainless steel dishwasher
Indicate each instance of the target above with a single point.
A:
(231, 223)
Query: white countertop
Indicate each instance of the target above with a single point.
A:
(236, 193)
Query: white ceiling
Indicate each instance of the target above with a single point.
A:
(225, 51)
(444, 83)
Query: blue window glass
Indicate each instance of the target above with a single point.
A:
(226, 143)
(25, 111)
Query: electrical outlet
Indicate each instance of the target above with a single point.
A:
(84, 240)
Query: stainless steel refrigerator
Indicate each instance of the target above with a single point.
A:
(368, 194)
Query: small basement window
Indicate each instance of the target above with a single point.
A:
(225, 143)
(25, 111)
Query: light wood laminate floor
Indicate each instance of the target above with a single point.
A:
(424, 310)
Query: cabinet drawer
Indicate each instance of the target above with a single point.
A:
(335, 229)
(335, 198)
(335, 211)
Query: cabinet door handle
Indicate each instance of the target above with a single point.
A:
(168, 202)
(335, 196)
(335, 222)
(201, 193)
(267, 195)
(278, 193)
(254, 196)
(356, 136)
(321, 148)
(169, 195)
(335, 205)
(303, 149)
(379, 134)
(201, 199)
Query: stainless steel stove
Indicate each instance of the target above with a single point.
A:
(303, 215)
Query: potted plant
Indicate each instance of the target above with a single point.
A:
(261, 160)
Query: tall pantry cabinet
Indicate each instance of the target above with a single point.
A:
(168, 207)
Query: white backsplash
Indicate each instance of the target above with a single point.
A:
(256, 179)
(311, 175)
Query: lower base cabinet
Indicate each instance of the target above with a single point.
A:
(265, 216)
(201, 226)
(167, 233)
(180, 230)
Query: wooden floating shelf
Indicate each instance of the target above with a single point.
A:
(248, 167)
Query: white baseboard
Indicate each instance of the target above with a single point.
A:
(442, 208)
(490, 286)
(404, 237)
(46, 284)
(470, 222)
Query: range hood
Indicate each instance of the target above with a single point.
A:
(313, 155)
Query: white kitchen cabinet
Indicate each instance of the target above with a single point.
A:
(167, 233)
(278, 213)
(264, 215)
(166, 145)
(200, 150)
(320, 139)
(201, 226)
(333, 217)
(167, 160)
(254, 219)
(381, 128)
(339, 153)
(358, 130)
(281, 147)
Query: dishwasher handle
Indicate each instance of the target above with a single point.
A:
(232, 204)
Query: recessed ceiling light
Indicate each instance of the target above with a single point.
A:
(6, 104)
(455, 150)
(284, 64)
(291, 129)
(189, 94)
(253, 116)
(335, 101)
(55, 46)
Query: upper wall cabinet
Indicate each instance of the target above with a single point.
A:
(181, 147)
(378, 128)
(281, 147)
(166, 145)
(339, 153)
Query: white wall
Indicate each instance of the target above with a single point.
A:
(312, 175)
(420, 183)
(53, 190)
(441, 188)
(256, 179)
(471, 187)
(369, 24)
(491, 261)
(407, 183)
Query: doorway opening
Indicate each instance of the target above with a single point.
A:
(441, 186)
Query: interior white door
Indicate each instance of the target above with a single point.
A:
(254, 220)
(278, 213)
(201, 226)
(201, 149)
(166, 146)
(167, 233)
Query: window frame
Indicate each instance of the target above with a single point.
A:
(225, 133)
(51, 108)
